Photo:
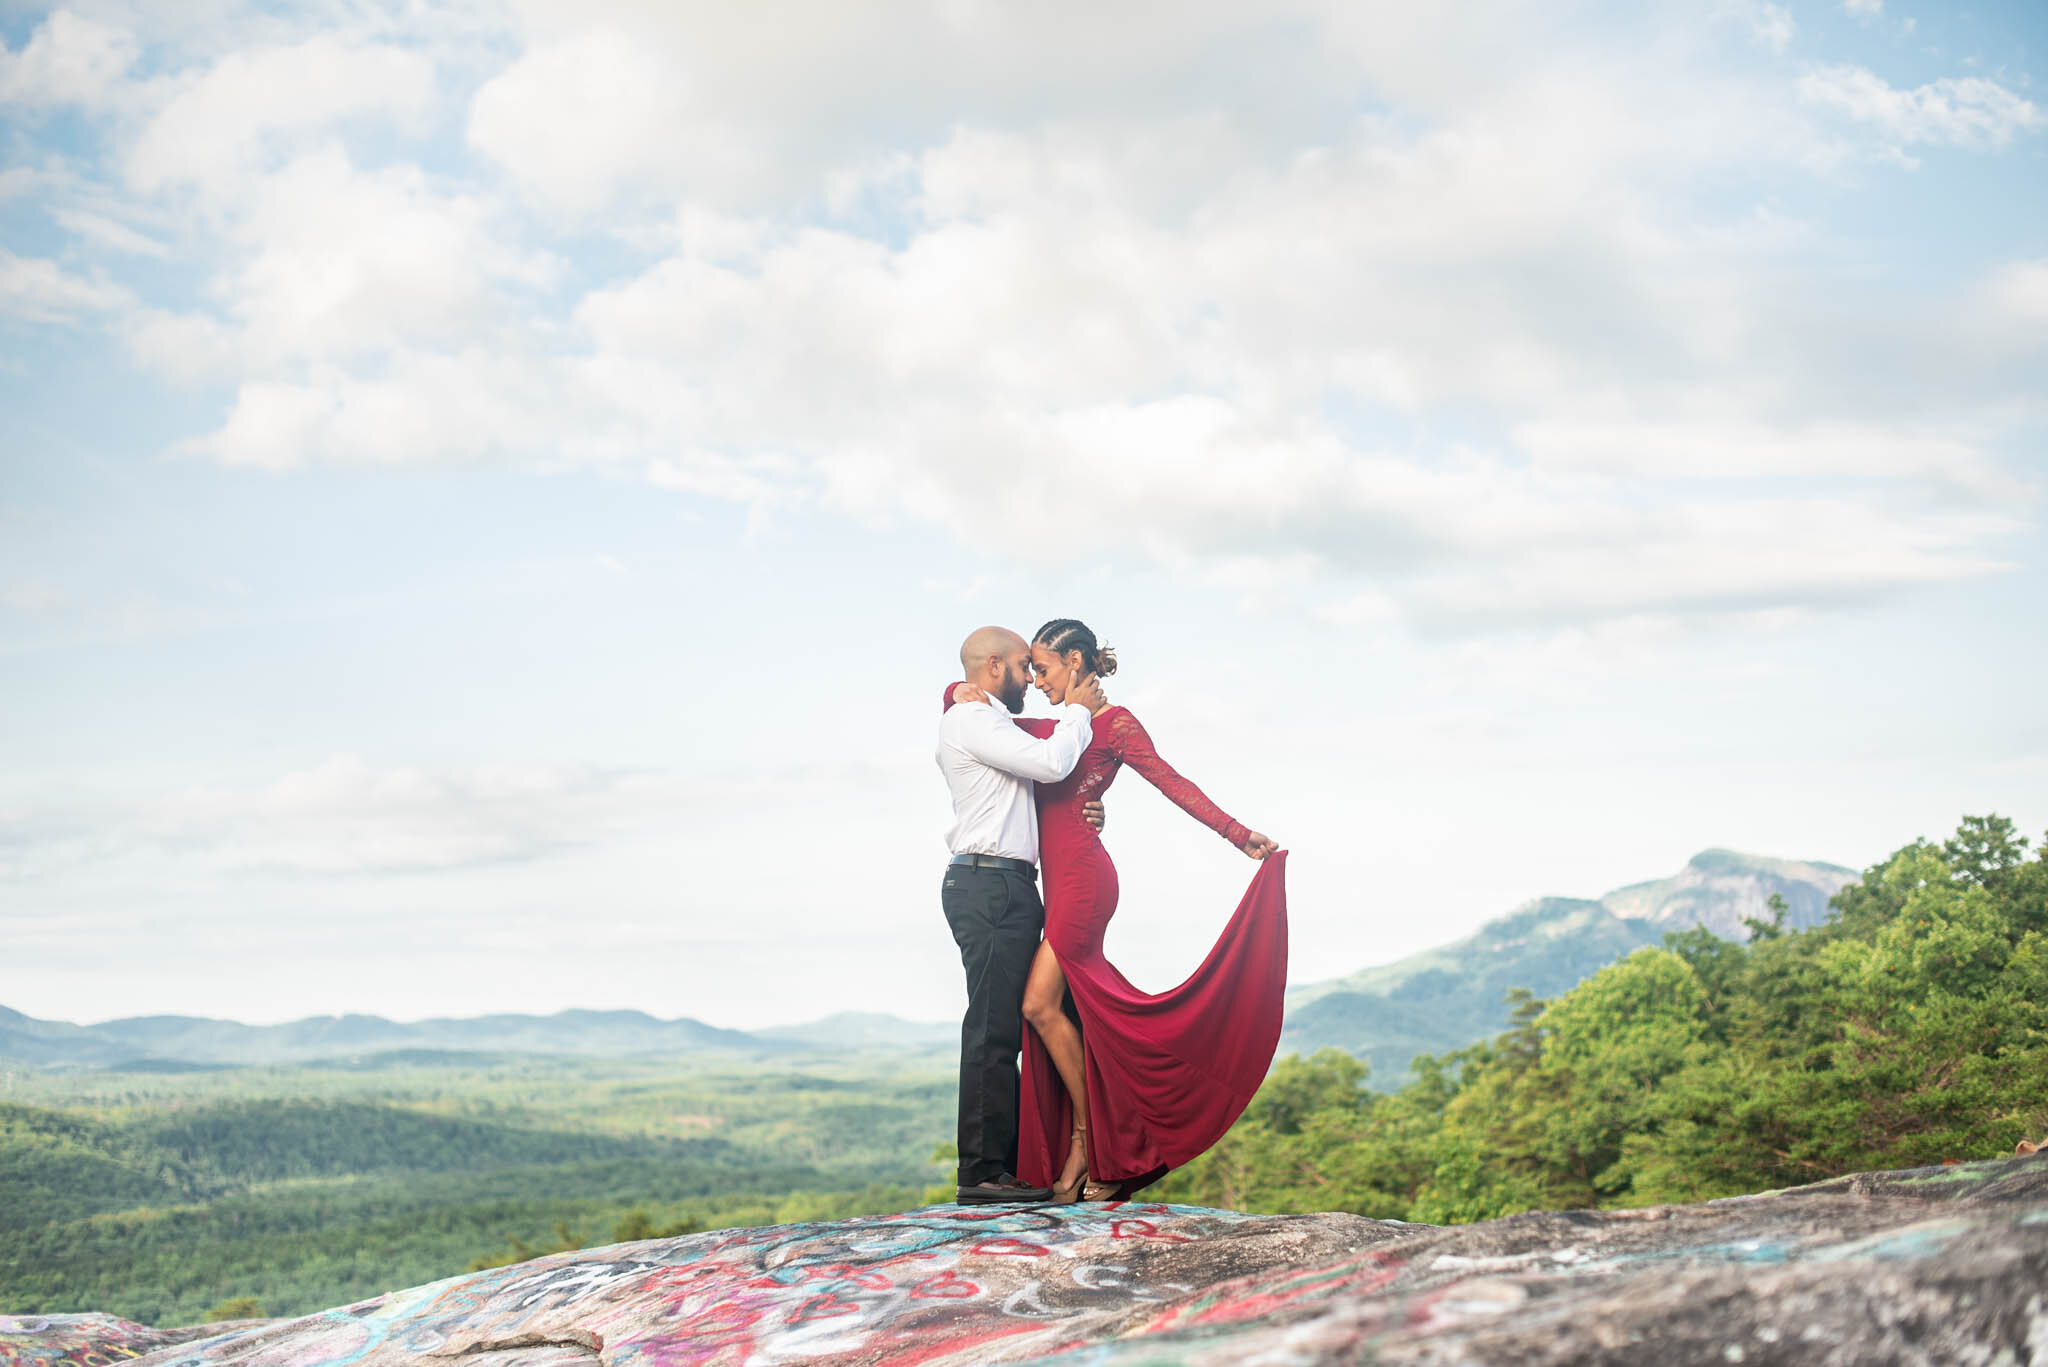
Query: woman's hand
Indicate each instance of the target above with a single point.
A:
(1259, 846)
(967, 692)
(1087, 691)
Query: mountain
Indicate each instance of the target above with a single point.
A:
(1720, 889)
(1441, 999)
(160, 1042)
(867, 1029)
(1455, 995)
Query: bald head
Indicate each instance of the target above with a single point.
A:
(990, 643)
(998, 661)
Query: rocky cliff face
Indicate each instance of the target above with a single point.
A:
(1939, 1265)
(1719, 889)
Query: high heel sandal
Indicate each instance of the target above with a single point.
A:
(1065, 1194)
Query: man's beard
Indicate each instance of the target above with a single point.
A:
(1013, 692)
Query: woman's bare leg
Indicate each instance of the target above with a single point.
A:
(1045, 992)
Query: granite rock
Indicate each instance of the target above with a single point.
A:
(1936, 1265)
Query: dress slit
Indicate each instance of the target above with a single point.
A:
(1167, 1074)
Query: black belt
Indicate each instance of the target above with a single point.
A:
(996, 861)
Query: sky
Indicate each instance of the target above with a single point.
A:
(490, 492)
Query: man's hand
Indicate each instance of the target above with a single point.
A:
(1092, 813)
(967, 692)
(1087, 692)
(1259, 846)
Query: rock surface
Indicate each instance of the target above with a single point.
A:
(1935, 1265)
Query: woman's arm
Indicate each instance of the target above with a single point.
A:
(1130, 742)
(1040, 727)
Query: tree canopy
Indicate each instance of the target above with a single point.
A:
(1910, 1028)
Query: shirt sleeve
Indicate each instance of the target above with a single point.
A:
(997, 742)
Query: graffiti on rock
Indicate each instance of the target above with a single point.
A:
(1948, 1264)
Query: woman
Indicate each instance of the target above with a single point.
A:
(1147, 1081)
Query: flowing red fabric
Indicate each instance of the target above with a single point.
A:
(1167, 1073)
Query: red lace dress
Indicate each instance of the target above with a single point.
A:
(1167, 1073)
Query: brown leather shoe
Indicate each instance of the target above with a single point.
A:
(1002, 1189)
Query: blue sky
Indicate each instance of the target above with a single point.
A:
(490, 491)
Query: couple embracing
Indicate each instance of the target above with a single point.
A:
(1119, 1085)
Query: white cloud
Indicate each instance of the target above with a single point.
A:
(220, 124)
(1490, 330)
(187, 348)
(2019, 290)
(1048, 323)
(37, 290)
(1971, 111)
(1863, 9)
(573, 120)
(336, 264)
(69, 59)
(343, 260)
(1770, 25)
(1710, 558)
(346, 816)
(464, 408)
(33, 597)
(1709, 448)
(105, 232)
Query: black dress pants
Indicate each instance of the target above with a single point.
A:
(997, 919)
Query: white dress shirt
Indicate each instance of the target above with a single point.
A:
(990, 765)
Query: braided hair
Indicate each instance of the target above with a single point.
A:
(1063, 634)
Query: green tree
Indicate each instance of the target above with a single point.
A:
(234, 1308)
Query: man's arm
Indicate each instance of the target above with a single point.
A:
(1091, 810)
(996, 742)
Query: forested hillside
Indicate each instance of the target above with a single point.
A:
(161, 1196)
(1910, 1027)
(1456, 994)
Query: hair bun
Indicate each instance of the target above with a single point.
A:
(1105, 660)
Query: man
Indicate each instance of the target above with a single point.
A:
(991, 891)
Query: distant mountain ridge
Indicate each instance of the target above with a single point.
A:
(160, 1042)
(850, 1029)
(1455, 995)
(1438, 1000)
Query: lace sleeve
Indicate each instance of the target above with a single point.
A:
(1129, 742)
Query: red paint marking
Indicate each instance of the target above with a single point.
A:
(722, 1316)
(823, 1306)
(946, 1287)
(931, 1344)
(1376, 1271)
(1012, 1248)
(865, 1278)
(1143, 1229)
